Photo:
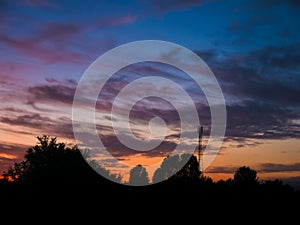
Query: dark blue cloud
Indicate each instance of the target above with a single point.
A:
(269, 75)
(261, 89)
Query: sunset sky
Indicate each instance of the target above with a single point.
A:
(252, 48)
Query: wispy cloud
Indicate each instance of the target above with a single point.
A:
(261, 168)
(52, 92)
(36, 49)
(221, 169)
(278, 167)
(7, 156)
(61, 127)
(10, 153)
(51, 41)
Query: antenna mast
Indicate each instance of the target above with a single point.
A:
(200, 152)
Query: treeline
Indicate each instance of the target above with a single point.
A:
(53, 167)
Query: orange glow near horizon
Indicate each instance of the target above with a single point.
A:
(283, 152)
(270, 151)
(273, 151)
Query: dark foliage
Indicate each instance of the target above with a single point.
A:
(52, 171)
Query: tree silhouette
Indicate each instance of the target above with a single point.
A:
(245, 177)
(168, 167)
(53, 163)
(138, 176)
(184, 167)
(105, 172)
(276, 186)
(17, 173)
(191, 169)
(50, 167)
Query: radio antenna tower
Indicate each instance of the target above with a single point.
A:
(200, 150)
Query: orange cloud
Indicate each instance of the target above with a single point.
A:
(7, 156)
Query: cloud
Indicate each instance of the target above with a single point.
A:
(250, 83)
(5, 163)
(66, 40)
(143, 69)
(261, 91)
(294, 181)
(32, 120)
(54, 91)
(8, 68)
(10, 153)
(261, 121)
(275, 58)
(13, 110)
(7, 156)
(277, 167)
(221, 169)
(34, 48)
(118, 150)
(240, 142)
(49, 42)
(260, 87)
(254, 116)
(262, 168)
(12, 149)
(67, 82)
(57, 32)
(268, 74)
(61, 126)
(149, 108)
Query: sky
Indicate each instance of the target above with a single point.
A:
(252, 48)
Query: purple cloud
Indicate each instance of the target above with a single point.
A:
(55, 91)
(61, 127)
